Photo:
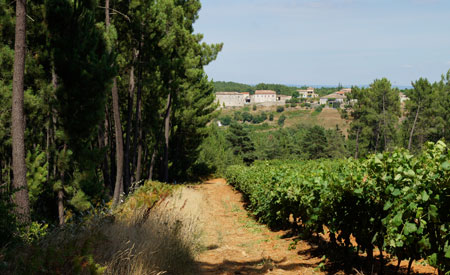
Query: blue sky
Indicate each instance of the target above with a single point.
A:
(327, 42)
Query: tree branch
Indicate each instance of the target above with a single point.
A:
(118, 12)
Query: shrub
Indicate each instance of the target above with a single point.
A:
(246, 116)
(271, 117)
(225, 120)
(281, 120)
(280, 109)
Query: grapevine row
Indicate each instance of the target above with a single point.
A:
(395, 201)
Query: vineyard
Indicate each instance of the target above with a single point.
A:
(395, 201)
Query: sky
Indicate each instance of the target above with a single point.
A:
(327, 42)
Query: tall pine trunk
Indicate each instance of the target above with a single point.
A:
(413, 128)
(152, 164)
(384, 122)
(61, 190)
(166, 137)
(118, 186)
(137, 136)
(131, 88)
(18, 118)
(357, 143)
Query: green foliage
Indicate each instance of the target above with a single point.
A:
(83, 66)
(271, 116)
(241, 144)
(37, 172)
(319, 109)
(375, 112)
(281, 120)
(215, 153)
(394, 201)
(225, 120)
(8, 225)
(254, 107)
(280, 109)
(222, 86)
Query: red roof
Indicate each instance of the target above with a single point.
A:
(265, 92)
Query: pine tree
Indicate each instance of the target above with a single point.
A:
(241, 143)
(18, 118)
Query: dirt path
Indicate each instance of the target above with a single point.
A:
(236, 244)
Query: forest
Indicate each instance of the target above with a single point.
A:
(104, 95)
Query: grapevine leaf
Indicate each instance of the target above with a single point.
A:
(387, 205)
(410, 173)
(410, 228)
(397, 220)
(425, 196)
(432, 211)
(396, 193)
(446, 165)
(447, 252)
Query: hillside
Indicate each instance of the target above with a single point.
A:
(328, 118)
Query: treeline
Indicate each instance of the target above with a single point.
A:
(113, 93)
(380, 123)
(242, 143)
(222, 86)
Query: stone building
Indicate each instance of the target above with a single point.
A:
(231, 99)
(308, 93)
(261, 96)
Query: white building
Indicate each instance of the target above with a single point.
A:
(261, 96)
(308, 93)
(403, 97)
(283, 98)
(334, 97)
(231, 99)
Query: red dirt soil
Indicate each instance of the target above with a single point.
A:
(236, 244)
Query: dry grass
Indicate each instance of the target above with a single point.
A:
(154, 232)
(164, 240)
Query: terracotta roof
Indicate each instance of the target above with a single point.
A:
(334, 95)
(265, 92)
(228, 93)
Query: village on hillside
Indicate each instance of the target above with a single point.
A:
(271, 98)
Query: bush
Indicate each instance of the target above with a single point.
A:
(246, 116)
(280, 109)
(319, 109)
(281, 120)
(226, 120)
(254, 107)
(293, 104)
(238, 116)
(271, 117)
